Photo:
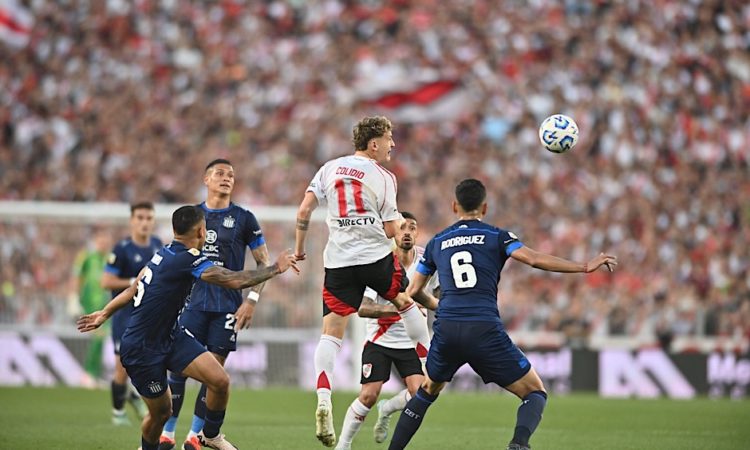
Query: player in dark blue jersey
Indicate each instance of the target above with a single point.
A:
(215, 314)
(154, 342)
(124, 263)
(468, 257)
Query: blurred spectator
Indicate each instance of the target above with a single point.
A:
(113, 101)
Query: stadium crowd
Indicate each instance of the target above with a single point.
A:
(120, 101)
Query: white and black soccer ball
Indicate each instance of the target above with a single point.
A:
(558, 133)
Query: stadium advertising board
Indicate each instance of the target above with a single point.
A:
(46, 359)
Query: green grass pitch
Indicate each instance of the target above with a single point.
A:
(62, 418)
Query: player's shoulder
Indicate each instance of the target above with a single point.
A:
(124, 243)
(241, 211)
(177, 253)
(241, 215)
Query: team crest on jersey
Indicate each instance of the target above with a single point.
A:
(193, 251)
(137, 258)
(111, 258)
(366, 370)
(228, 222)
(211, 236)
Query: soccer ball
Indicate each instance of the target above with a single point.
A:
(558, 133)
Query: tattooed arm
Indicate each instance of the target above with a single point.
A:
(306, 208)
(246, 278)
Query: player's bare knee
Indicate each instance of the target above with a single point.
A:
(432, 387)
(160, 413)
(220, 383)
(368, 397)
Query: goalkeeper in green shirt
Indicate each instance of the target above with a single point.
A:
(89, 267)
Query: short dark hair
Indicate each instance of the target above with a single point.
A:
(140, 205)
(408, 215)
(185, 218)
(218, 161)
(470, 193)
(369, 128)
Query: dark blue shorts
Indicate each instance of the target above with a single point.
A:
(485, 346)
(215, 330)
(148, 369)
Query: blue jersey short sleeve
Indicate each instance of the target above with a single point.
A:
(117, 260)
(426, 265)
(200, 265)
(509, 242)
(253, 234)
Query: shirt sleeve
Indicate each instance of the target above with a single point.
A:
(433, 284)
(253, 234)
(389, 210)
(116, 261)
(509, 242)
(426, 264)
(317, 186)
(199, 263)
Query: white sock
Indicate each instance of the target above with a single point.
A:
(190, 434)
(395, 403)
(169, 434)
(355, 416)
(325, 358)
(416, 328)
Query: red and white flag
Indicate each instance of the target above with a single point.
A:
(427, 102)
(15, 24)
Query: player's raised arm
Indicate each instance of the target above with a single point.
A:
(113, 282)
(306, 208)
(94, 320)
(246, 278)
(391, 227)
(552, 263)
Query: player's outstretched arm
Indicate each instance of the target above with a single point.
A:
(552, 263)
(306, 208)
(113, 282)
(369, 308)
(240, 280)
(94, 320)
(416, 291)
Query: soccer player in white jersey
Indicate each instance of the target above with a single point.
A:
(387, 345)
(362, 217)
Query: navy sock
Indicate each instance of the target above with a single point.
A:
(411, 419)
(146, 446)
(199, 413)
(177, 386)
(214, 420)
(118, 395)
(529, 416)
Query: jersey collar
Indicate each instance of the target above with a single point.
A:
(207, 209)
